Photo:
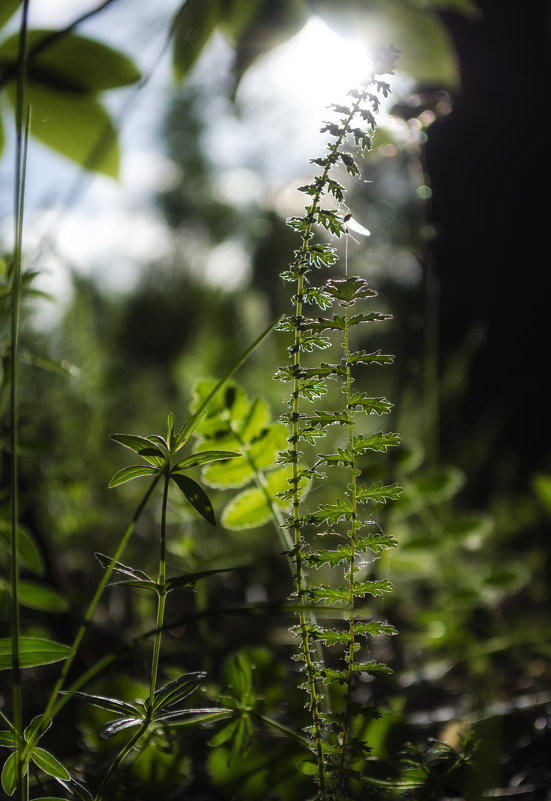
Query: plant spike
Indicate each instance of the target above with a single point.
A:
(310, 383)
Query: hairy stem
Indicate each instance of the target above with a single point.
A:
(352, 563)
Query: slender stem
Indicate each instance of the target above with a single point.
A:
(22, 135)
(161, 594)
(352, 562)
(52, 708)
(121, 756)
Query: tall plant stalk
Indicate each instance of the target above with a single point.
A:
(330, 732)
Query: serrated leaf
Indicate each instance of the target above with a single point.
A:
(72, 62)
(378, 493)
(33, 651)
(9, 774)
(119, 567)
(375, 588)
(175, 691)
(75, 125)
(129, 473)
(36, 596)
(377, 357)
(196, 496)
(49, 764)
(202, 458)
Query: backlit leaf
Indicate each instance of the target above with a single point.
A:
(49, 764)
(9, 774)
(116, 726)
(202, 458)
(176, 690)
(191, 29)
(72, 62)
(196, 496)
(75, 125)
(129, 473)
(112, 704)
(119, 567)
(37, 596)
(33, 651)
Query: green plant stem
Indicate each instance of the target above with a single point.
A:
(299, 577)
(52, 708)
(121, 756)
(22, 138)
(161, 594)
(351, 565)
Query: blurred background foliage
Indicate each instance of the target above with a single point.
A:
(471, 574)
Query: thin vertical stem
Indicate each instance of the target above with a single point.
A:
(51, 706)
(22, 135)
(161, 594)
(352, 560)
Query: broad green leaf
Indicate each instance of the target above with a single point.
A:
(191, 29)
(71, 63)
(118, 567)
(176, 690)
(202, 458)
(237, 15)
(33, 651)
(144, 447)
(9, 774)
(225, 408)
(128, 473)
(29, 555)
(196, 496)
(257, 418)
(116, 726)
(262, 452)
(112, 704)
(36, 596)
(75, 125)
(49, 764)
(251, 508)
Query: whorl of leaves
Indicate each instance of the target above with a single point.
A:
(350, 543)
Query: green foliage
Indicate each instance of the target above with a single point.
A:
(64, 74)
(334, 747)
